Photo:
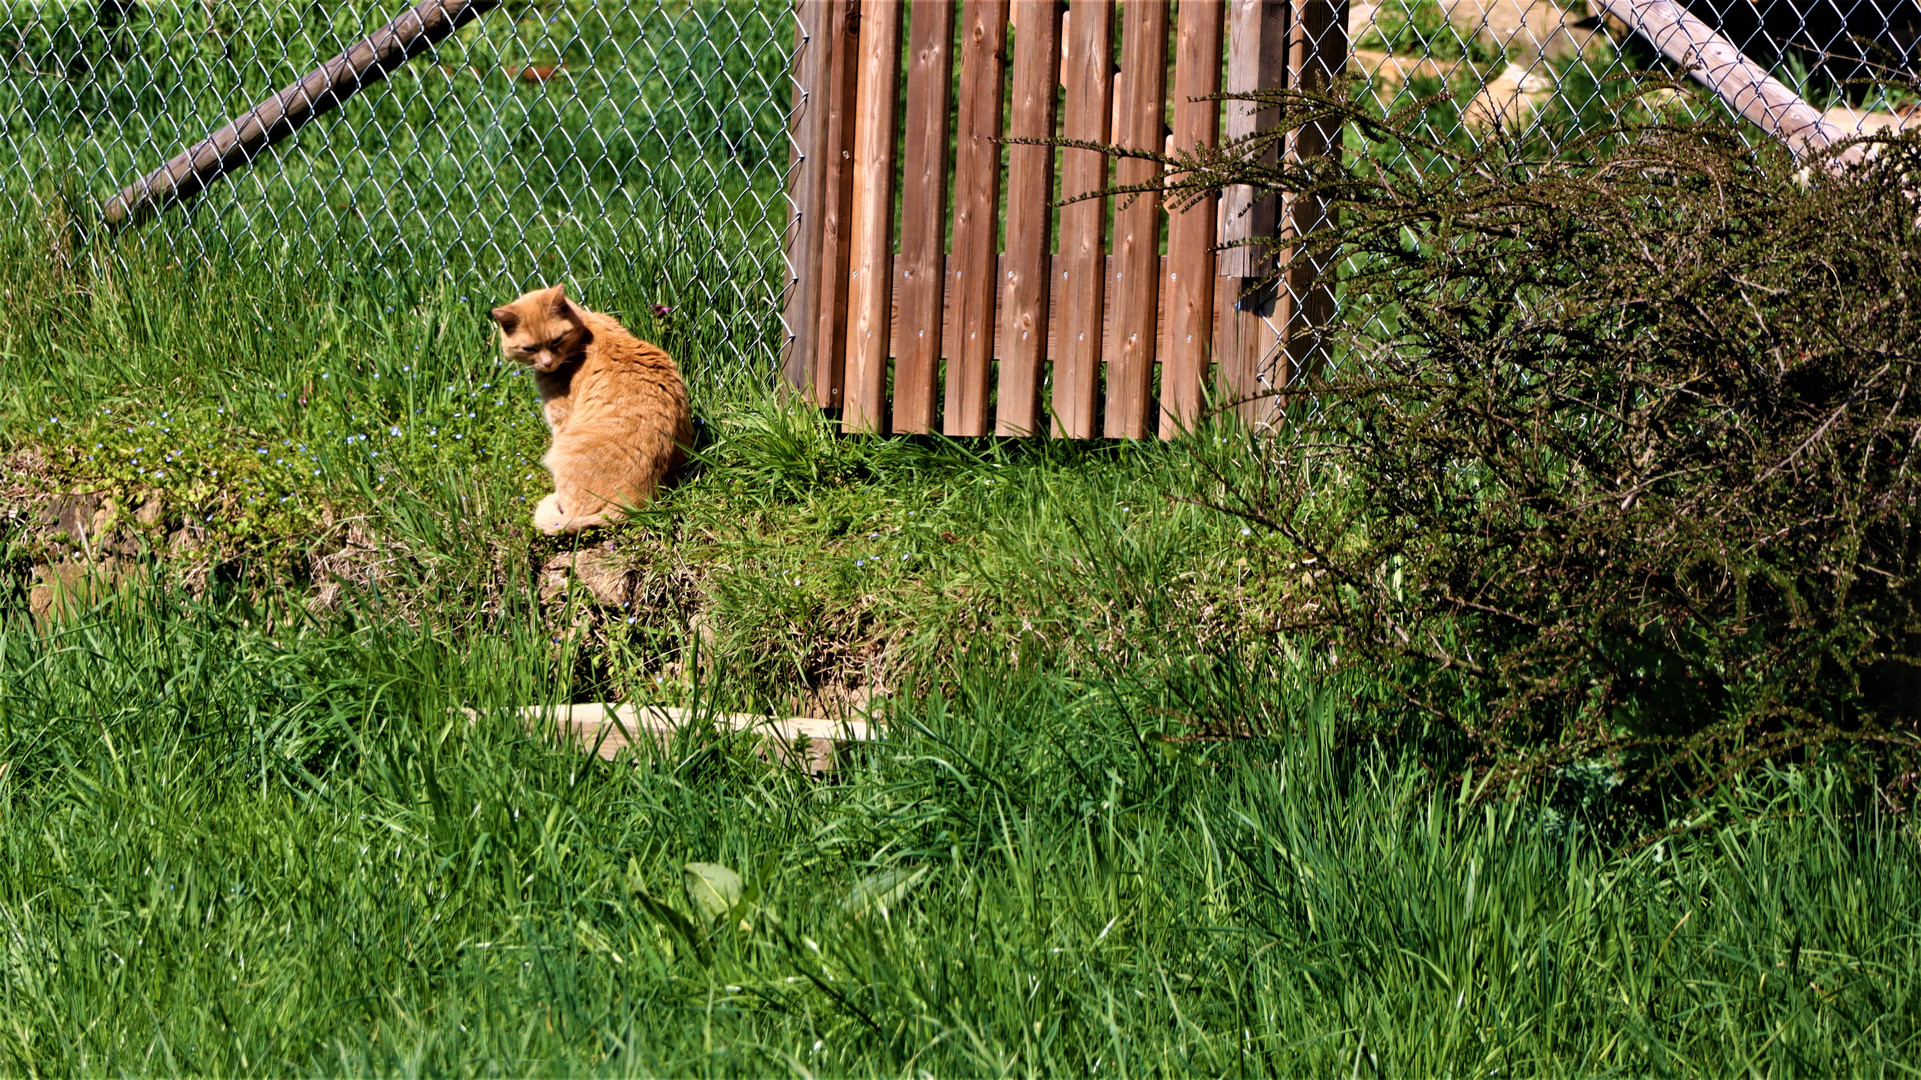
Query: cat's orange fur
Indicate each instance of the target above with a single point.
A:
(616, 404)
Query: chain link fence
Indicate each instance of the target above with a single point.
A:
(552, 137)
(545, 140)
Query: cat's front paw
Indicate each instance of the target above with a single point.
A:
(548, 517)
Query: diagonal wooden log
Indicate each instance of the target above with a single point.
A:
(289, 109)
(1746, 86)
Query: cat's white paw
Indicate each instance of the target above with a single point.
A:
(548, 517)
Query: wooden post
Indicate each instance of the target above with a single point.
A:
(291, 108)
(1717, 64)
(1137, 223)
(1316, 58)
(806, 189)
(1189, 291)
(870, 286)
(1083, 294)
(977, 177)
(837, 183)
(923, 216)
(1030, 212)
(1256, 60)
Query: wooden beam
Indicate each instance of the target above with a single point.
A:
(1317, 56)
(606, 731)
(830, 326)
(1746, 86)
(236, 145)
(1137, 222)
(923, 218)
(806, 190)
(1025, 283)
(1189, 290)
(1082, 278)
(1244, 337)
(870, 286)
(977, 176)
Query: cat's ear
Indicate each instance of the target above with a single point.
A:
(507, 317)
(559, 300)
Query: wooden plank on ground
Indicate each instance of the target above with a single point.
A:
(1137, 223)
(1025, 283)
(1188, 294)
(977, 175)
(830, 333)
(1256, 60)
(870, 283)
(923, 221)
(805, 180)
(1089, 79)
(606, 731)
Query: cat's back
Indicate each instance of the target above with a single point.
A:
(635, 377)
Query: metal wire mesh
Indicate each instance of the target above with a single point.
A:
(546, 139)
(1545, 71)
(552, 138)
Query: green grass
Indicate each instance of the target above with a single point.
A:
(1113, 828)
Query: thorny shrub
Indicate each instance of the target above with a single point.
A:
(1616, 463)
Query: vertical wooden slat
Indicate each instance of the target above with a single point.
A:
(977, 174)
(805, 190)
(1189, 291)
(1030, 212)
(1083, 292)
(923, 219)
(1317, 56)
(830, 333)
(1137, 223)
(1256, 60)
(870, 283)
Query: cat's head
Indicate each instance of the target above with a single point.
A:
(542, 329)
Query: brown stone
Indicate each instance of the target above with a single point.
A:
(72, 514)
(151, 510)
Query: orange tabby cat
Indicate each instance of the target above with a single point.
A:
(616, 404)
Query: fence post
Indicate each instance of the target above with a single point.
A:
(1142, 90)
(837, 187)
(1030, 211)
(1316, 59)
(1083, 295)
(977, 175)
(1256, 60)
(870, 285)
(1189, 291)
(806, 190)
(923, 215)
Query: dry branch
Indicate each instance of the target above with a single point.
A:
(289, 109)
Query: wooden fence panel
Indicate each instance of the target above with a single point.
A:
(1089, 78)
(921, 285)
(1142, 90)
(1189, 291)
(870, 286)
(977, 176)
(1030, 214)
(1105, 316)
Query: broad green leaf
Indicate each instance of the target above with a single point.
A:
(712, 889)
